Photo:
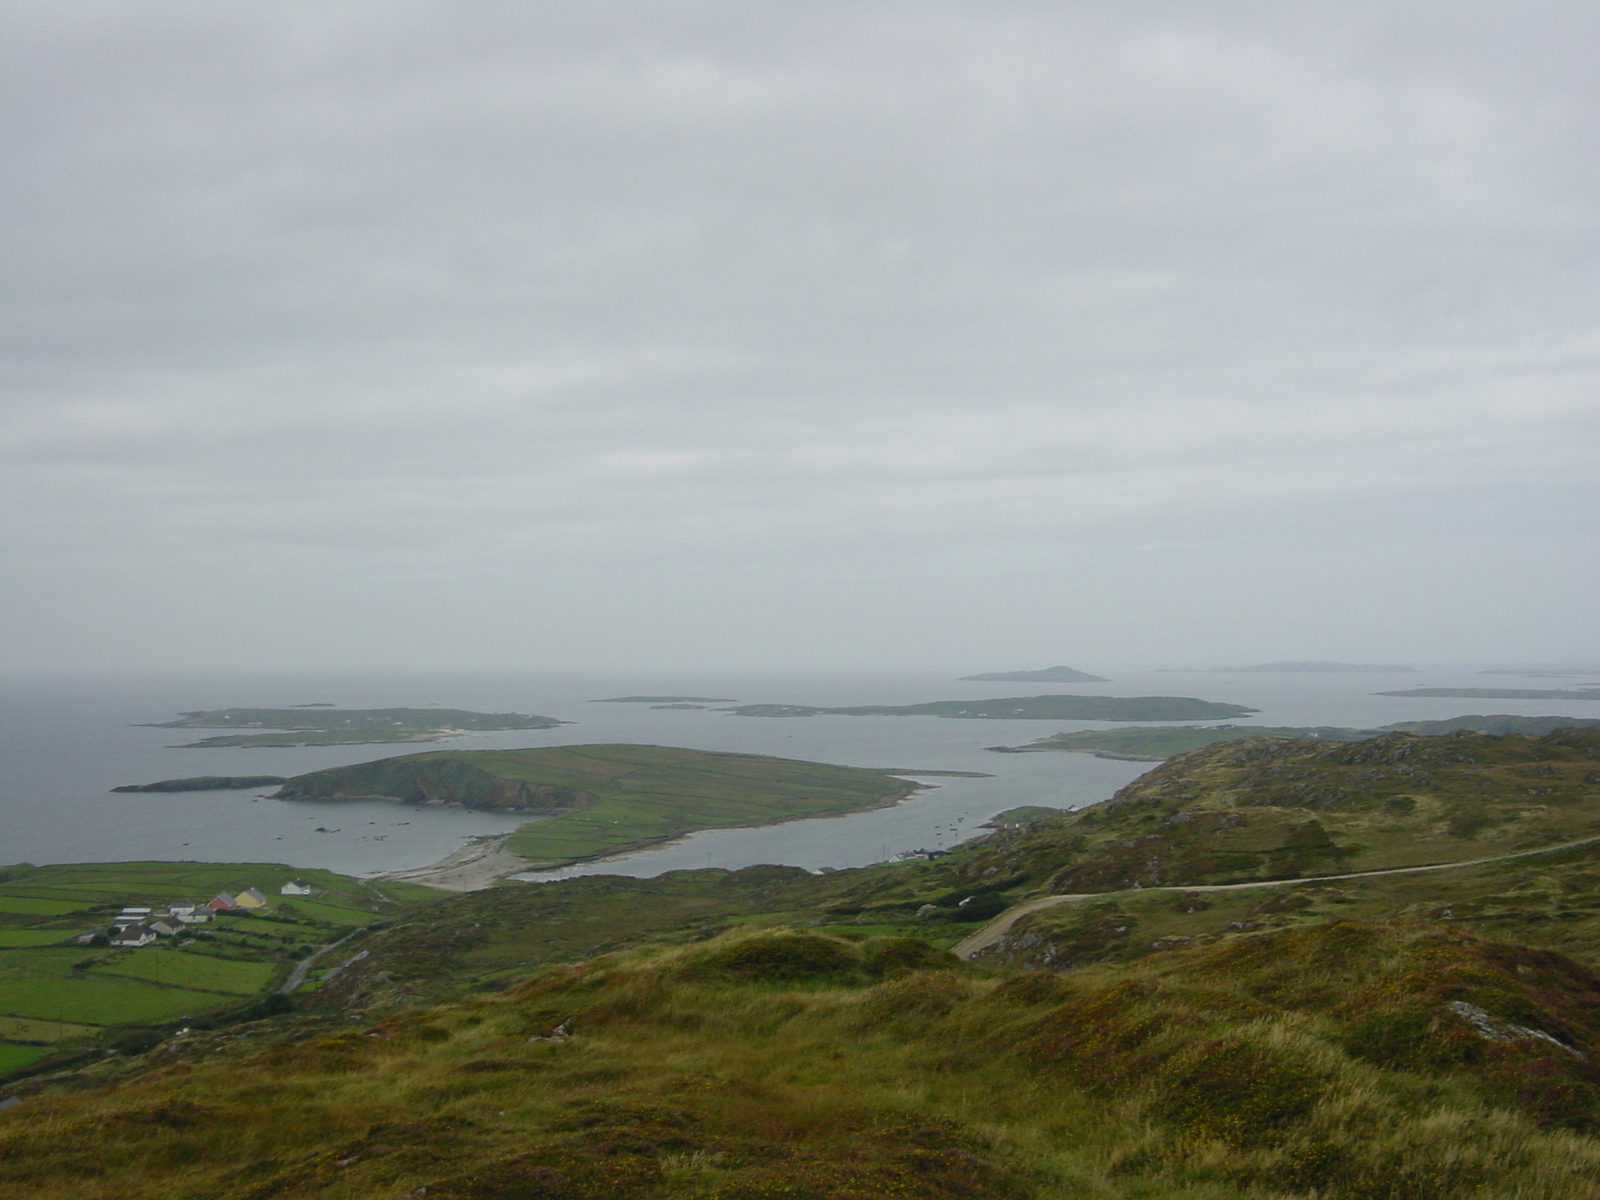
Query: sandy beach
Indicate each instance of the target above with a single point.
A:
(481, 863)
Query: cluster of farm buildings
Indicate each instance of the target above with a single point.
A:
(139, 926)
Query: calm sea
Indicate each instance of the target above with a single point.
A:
(66, 741)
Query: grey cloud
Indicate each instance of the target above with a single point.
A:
(701, 295)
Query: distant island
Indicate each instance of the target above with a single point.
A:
(1155, 744)
(322, 726)
(605, 799)
(204, 783)
(1541, 674)
(1275, 668)
(665, 700)
(1468, 693)
(1029, 708)
(1047, 675)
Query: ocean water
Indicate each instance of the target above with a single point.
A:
(65, 741)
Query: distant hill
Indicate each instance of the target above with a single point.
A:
(1290, 668)
(1047, 675)
(1469, 693)
(1498, 723)
(1145, 743)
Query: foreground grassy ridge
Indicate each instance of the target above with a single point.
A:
(616, 796)
(54, 991)
(1348, 1061)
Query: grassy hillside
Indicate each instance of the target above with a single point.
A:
(768, 1033)
(609, 797)
(1348, 1060)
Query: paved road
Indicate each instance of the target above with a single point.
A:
(1001, 925)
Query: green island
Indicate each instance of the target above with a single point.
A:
(604, 799)
(1273, 969)
(1011, 708)
(1469, 693)
(204, 783)
(1045, 675)
(319, 725)
(1154, 744)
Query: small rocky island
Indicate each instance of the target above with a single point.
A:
(317, 725)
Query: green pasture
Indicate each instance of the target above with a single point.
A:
(130, 882)
(327, 914)
(13, 1058)
(29, 907)
(42, 984)
(11, 939)
(201, 972)
(28, 1029)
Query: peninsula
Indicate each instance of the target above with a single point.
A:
(1160, 742)
(605, 799)
(322, 726)
(1028, 708)
(204, 783)
(1046, 675)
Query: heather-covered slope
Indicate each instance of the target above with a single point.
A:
(1346, 1061)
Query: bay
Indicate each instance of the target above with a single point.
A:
(66, 740)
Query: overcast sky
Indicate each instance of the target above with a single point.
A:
(798, 333)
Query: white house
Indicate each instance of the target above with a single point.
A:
(133, 935)
(295, 887)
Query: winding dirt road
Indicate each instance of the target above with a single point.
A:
(1001, 925)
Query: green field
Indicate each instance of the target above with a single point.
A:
(42, 984)
(333, 913)
(51, 992)
(198, 971)
(13, 1058)
(11, 939)
(31, 1029)
(28, 906)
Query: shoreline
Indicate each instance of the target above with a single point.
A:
(482, 862)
